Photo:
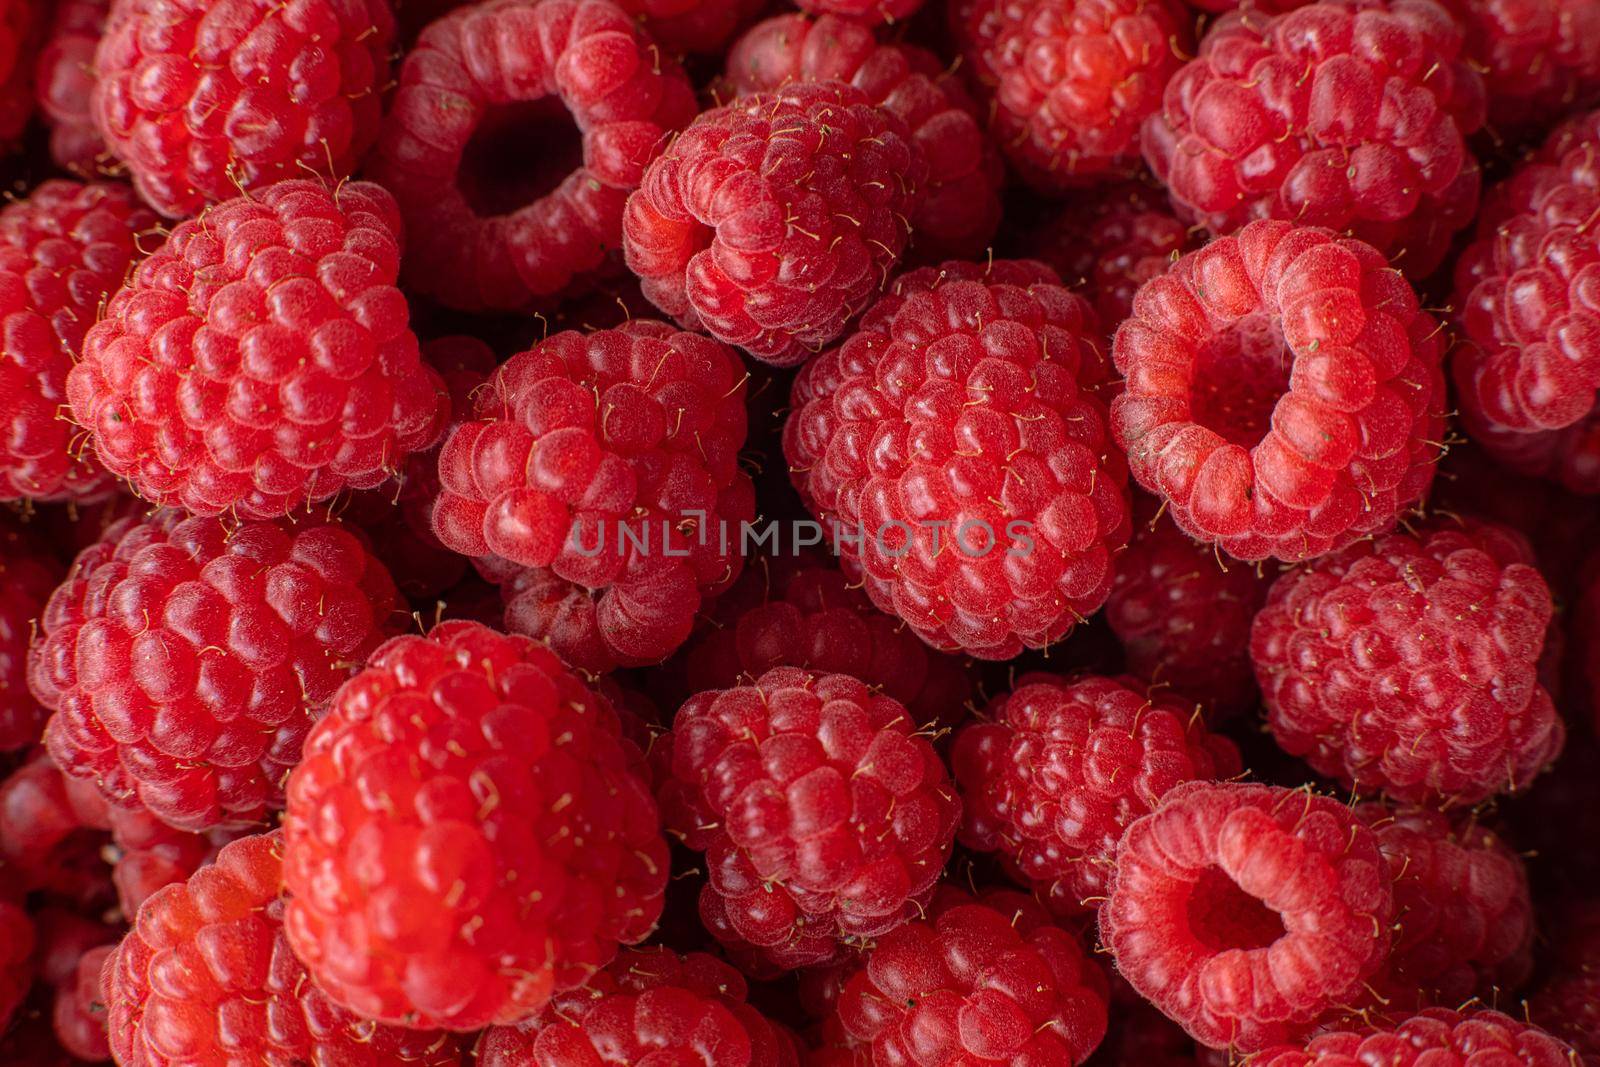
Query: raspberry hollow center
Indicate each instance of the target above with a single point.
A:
(1223, 916)
(1239, 374)
(519, 153)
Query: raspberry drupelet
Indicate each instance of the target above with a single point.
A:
(1541, 58)
(954, 450)
(607, 464)
(516, 134)
(1284, 395)
(1069, 83)
(1438, 1037)
(824, 816)
(961, 208)
(1408, 664)
(185, 660)
(79, 1013)
(262, 359)
(467, 834)
(1349, 114)
(64, 80)
(773, 220)
(1058, 768)
(28, 575)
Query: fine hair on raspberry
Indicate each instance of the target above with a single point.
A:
(1438, 1037)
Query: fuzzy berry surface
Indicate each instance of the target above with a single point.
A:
(28, 575)
(1409, 664)
(1284, 395)
(1539, 58)
(200, 103)
(1348, 114)
(467, 834)
(1246, 912)
(64, 81)
(775, 219)
(262, 359)
(1438, 1037)
(956, 452)
(184, 660)
(1058, 768)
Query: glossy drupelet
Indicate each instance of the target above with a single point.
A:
(1539, 58)
(1436, 1038)
(64, 81)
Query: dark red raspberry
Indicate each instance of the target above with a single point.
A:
(958, 216)
(1284, 395)
(16, 959)
(28, 575)
(64, 80)
(147, 854)
(21, 24)
(1059, 769)
(1435, 1038)
(650, 1006)
(63, 252)
(1567, 1002)
(466, 834)
(62, 937)
(1070, 82)
(287, 368)
(201, 107)
(494, 222)
(823, 814)
(699, 26)
(1408, 664)
(1245, 912)
(185, 659)
(1541, 58)
(957, 456)
(865, 12)
(51, 835)
(80, 1012)
(1349, 114)
(772, 221)
(1140, 1036)
(976, 983)
(608, 463)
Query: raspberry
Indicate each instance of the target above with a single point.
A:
(147, 854)
(1070, 82)
(863, 12)
(64, 81)
(649, 1006)
(608, 463)
(1140, 1036)
(1060, 767)
(80, 1014)
(16, 959)
(689, 26)
(287, 372)
(823, 816)
(185, 660)
(1283, 395)
(1568, 1001)
(518, 130)
(1541, 56)
(20, 25)
(1408, 664)
(1434, 1038)
(961, 207)
(977, 982)
(63, 251)
(1245, 912)
(772, 221)
(466, 834)
(1348, 114)
(62, 937)
(202, 106)
(961, 410)
(28, 575)
(49, 836)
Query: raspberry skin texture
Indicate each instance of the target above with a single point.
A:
(467, 834)
(64, 80)
(63, 251)
(1058, 768)
(206, 977)
(1348, 114)
(772, 221)
(28, 575)
(1408, 664)
(1246, 912)
(262, 359)
(1568, 457)
(185, 660)
(203, 101)
(1542, 58)
(963, 407)
(1069, 83)
(823, 815)
(961, 208)
(1284, 395)
(1437, 1037)
(580, 64)
(78, 1016)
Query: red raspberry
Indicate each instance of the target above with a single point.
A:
(1568, 1001)
(28, 575)
(651, 1006)
(1283, 395)
(202, 105)
(585, 436)
(288, 369)
(700, 26)
(1568, 457)
(466, 834)
(1059, 769)
(16, 959)
(1408, 664)
(20, 27)
(493, 222)
(1245, 912)
(1542, 58)
(961, 410)
(975, 983)
(1349, 114)
(1434, 1038)
(824, 817)
(79, 1015)
(62, 937)
(63, 251)
(1140, 1036)
(64, 81)
(772, 221)
(50, 835)
(961, 208)
(864, 12)
(147, 854)
(185, 660)
(1070, 82)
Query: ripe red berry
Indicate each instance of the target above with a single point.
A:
(79, 1014)
(864, 12)
(64, 82)
(51, 837)
(1438, 1037)
(1567, 1002)
(1539, 58)
(28, 575)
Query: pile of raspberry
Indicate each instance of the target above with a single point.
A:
(800, 533)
